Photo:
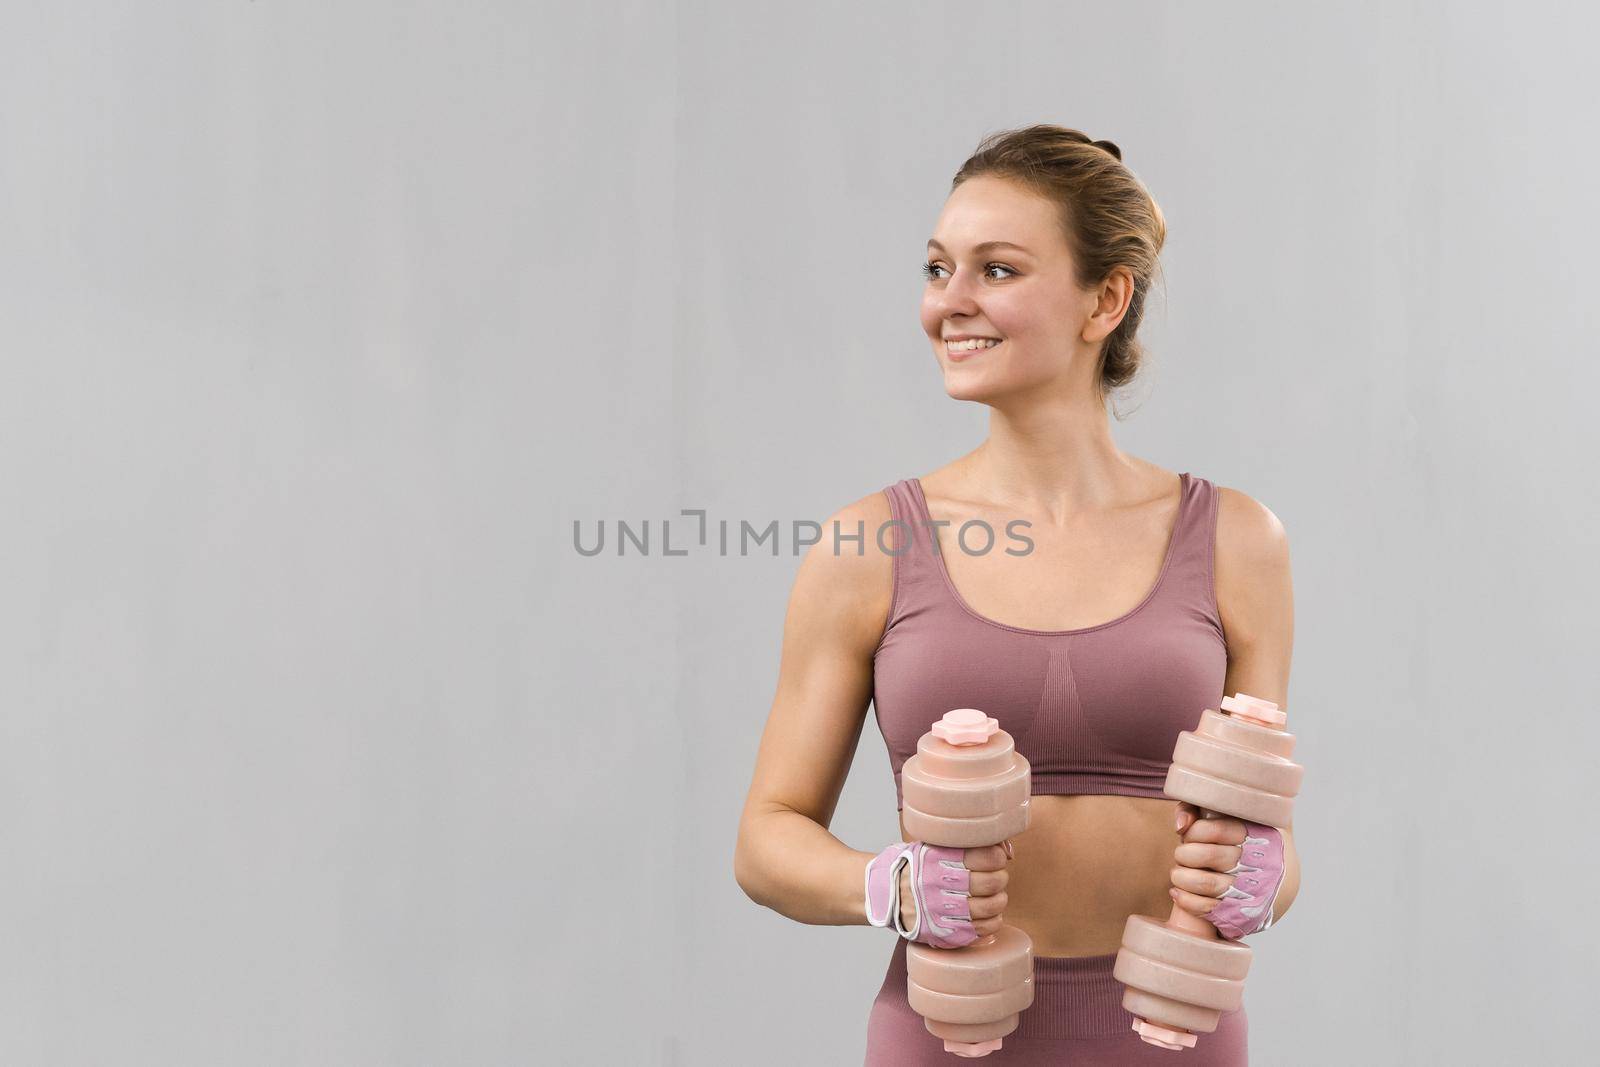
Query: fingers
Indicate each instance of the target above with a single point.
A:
(1216, 857)
(987, 879)
(991, 907)
(993, 858)
(1221, 830)
(1192, 903)
(1201, 883)
(987, 883)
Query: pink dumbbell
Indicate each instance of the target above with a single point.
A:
(966, 787)
(1182, 975)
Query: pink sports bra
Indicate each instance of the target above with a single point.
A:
(1094, 710)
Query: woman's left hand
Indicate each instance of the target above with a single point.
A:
(1214, 856)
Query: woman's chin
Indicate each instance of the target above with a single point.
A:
(964, 394)
(961, 384)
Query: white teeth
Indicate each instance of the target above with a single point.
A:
(968, 346)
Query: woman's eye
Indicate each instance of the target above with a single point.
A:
(929, 269)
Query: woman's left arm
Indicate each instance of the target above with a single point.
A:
(1255, 599)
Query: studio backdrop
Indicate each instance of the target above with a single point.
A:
(332, 334)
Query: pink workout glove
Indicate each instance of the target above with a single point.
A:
(940, 884)
(1245, 907)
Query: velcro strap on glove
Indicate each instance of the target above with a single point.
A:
(940, 886)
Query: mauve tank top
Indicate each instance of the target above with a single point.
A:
(1094, 710)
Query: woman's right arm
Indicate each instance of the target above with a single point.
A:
(785, 858)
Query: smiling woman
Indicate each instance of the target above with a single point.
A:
(1145, 595)
(1095, 221)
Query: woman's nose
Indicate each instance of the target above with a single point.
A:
(957, 296)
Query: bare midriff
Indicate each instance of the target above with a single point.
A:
(1084, 864)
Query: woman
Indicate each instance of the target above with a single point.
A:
(1126, 600)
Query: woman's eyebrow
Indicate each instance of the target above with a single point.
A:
(986, 246)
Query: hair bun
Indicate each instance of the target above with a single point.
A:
(1109, 146)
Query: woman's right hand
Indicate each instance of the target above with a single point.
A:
(986, 894)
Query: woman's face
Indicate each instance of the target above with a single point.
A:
(1022, 292)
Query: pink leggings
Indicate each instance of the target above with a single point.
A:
(1076, 1018)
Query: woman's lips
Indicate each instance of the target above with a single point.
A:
(968, 353)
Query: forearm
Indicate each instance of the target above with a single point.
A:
(787, 862)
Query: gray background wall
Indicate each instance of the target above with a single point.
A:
(320, 324)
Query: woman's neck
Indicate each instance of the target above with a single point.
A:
(1058, 459)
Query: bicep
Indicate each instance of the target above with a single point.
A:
(835, 617)
(1255, 598)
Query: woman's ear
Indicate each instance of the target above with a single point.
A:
(1111, 302)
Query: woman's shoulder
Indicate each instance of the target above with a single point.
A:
(1254, 587)
(1245, 526)
(847, 574)
(866, 515)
